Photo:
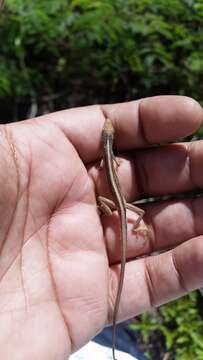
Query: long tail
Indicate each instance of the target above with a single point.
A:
(123, 232)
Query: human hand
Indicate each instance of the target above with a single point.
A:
(58, 257)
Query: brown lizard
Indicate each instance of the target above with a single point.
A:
(120, 204)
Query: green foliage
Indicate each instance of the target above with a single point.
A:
(117, 49)
(181, 325)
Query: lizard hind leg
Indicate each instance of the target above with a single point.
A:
(106, 205)
(138, 211)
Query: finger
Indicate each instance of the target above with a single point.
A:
(134, 123)
(166, 170)
(165, 225)
(155, 280)
(153, 120)
(170, 169)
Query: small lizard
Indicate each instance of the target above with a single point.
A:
(118, 203)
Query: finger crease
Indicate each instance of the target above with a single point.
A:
(188, 160)
(152, 230)
(194, 217)
(149, 282)
(54, 287)
(178, 273)
(113, 284)
(141, 126)
(142, 178)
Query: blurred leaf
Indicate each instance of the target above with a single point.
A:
(115, 49)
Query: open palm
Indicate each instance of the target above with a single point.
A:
(58, 272)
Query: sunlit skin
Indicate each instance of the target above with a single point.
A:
(59, 257)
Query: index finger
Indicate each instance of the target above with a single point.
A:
(137, 123)
(154, 120)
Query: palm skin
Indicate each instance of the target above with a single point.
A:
(56, 258)
(58, 276)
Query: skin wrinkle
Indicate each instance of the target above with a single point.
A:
(117, 128)
(32, 306)
(97, 108)
(142, 178)
(24, 229)
(11, 147)
(189, 147)
(3, 135)
(151, 233)
(14, 152)
(35, 231)
(25, 243)
(113, 279)
(149, 283)
(53, 281)
(34, 274)
(59, 202)
(177, 272)
(195, 226)
(48, 211)
(151, 238)
(27, 190)
(55, 291)
(141, 124)
(9, 266)
(8, 229)
(52, 147)
(89, 306)
(192, 201)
